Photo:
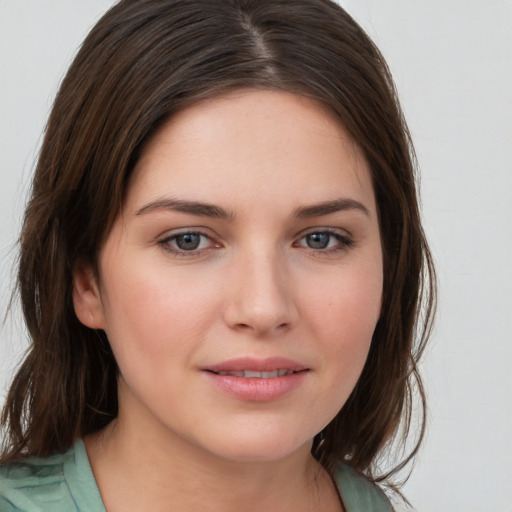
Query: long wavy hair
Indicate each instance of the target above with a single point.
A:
(144, 61)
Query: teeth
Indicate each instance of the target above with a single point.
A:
(251, 374)
(234, 374)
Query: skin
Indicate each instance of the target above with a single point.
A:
(254, 287)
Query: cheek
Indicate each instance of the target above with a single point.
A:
(347, 305)
(343, 316)
(153, 311)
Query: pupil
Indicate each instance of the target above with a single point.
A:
(188, 241)
(318, 240)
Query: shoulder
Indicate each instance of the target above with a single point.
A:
(26, 485)
(43, 483)
(358, 493)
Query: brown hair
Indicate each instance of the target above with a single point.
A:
(142, 62)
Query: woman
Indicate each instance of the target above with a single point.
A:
(222, 267)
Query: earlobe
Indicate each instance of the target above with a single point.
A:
(86, 297)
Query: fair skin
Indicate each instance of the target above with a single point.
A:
(249, 240)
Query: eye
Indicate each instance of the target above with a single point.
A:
(318, 240)
(189, 242)
(325, 240)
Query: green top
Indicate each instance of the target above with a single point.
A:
(64, 483)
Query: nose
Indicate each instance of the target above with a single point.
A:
(260, 298)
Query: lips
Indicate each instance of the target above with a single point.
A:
(251, 374)
(254, 368)
(259, 380)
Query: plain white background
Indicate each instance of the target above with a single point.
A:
(452, 62)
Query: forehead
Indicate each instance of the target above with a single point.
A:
(252, 145)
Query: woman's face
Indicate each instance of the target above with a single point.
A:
(241, 285)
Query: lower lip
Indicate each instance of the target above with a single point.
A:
(257, 390)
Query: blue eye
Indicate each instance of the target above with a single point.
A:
(318, 240)
(187, 242)
(325, 240)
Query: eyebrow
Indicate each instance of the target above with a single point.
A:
(337, 205)
(210, 210)
(191, 207)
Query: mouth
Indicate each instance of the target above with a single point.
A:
(253, 374)
(255, 368)
(257, 380)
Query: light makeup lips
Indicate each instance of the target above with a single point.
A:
(257, 380)
(251, 374)
(257, 368)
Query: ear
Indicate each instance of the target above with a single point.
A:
(86, 297)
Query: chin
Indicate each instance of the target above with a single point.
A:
(251, 446)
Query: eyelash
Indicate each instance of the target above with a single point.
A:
(344, 243)
(166, 242)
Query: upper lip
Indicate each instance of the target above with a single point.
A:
(259, 365)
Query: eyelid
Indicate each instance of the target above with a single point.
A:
(345, 240)
(343, 237)
(325, 229)
(167, 237)
(338, 232)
